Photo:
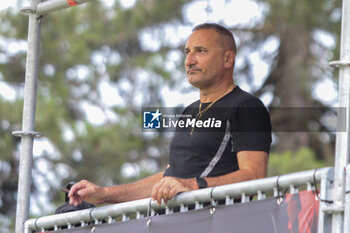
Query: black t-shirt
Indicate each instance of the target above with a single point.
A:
(208, 146)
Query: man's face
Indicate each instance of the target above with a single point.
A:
(204, 61)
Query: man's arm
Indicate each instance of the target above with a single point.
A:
(87, 191)
(252, 165)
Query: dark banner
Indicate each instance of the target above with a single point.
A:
(298, 213)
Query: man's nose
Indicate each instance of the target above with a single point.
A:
(190, 60)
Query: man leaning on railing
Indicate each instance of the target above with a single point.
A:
(235, 152)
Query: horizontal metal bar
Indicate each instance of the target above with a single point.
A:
(333, 209)
(50, 6)
(26, 133)
(187, 198)
(339, 63)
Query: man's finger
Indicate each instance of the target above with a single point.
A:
(160, 194)
(172, 193)
(166, 194)
(155, 191)
(75, 188)
(82, 193)
(74, 194)
(75, 201)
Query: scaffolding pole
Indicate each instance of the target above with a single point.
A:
(347, 200)
(342, 138)
(28, 121)
(35, 10)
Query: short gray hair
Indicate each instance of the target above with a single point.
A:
(224, 32)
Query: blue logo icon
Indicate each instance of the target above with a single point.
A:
(151, 119)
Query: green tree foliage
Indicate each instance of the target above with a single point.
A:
(299, 62)
(288, 162)
(9, 122)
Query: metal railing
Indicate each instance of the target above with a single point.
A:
(146, 207)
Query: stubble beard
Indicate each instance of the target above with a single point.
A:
(196, 82)
(200, 80)
(197, 79)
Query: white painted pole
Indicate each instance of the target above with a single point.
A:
(28, 122)
(343, 137)
(35, 9)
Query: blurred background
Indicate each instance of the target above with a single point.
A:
(102, 61)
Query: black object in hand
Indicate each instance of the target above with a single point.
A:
(66, 207)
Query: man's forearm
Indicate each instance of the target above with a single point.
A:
(252, 165)
(230, 178)
(133, 191)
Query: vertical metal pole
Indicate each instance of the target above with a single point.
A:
(324, 218)
(28, 122)
(342, 138)
(347, 200)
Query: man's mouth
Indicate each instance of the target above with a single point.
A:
(192, 71)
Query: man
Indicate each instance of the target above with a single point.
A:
(236, 151)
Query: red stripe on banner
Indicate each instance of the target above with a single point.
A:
(302, 210)
(72, 2)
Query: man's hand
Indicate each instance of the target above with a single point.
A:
(169, 186)
(86, 191)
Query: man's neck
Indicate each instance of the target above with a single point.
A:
(213, 94)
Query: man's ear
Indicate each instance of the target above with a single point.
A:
(229, 58)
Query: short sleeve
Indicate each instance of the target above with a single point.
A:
(251, 126)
